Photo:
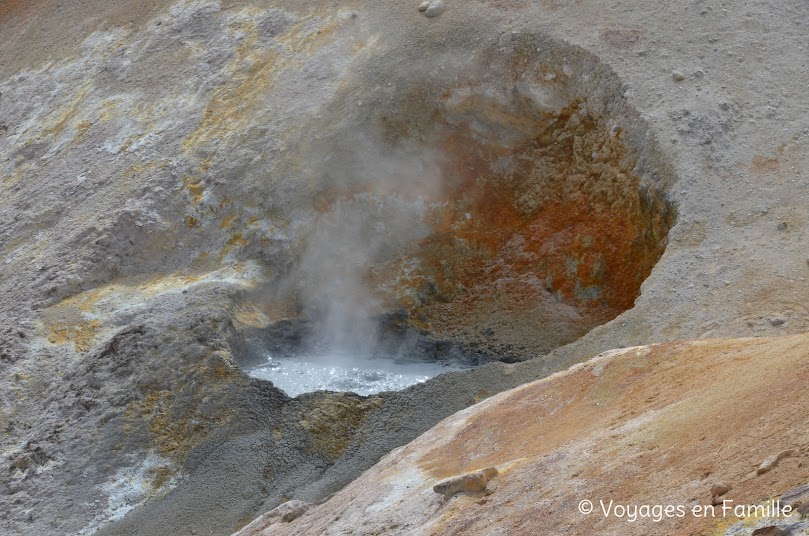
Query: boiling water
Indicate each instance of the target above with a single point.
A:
(364, 375)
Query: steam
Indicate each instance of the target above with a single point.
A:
(333, 286)
(379, 209)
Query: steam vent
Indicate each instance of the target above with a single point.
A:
(494, 207)
(431, 268)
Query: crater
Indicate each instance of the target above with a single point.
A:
(477, 207)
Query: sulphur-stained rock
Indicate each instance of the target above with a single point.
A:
(616, 423)
(508, 176)
(770, 463)
(471, 482)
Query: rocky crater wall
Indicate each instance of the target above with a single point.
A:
(165, 167)
(505, 201)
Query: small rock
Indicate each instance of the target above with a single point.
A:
(783, 226)
(768, 464)
(435, 8)
(719, 489)
(777, 321)
(678, 76)
(289, 511)
(772, 530)
(795, 494)
(424, 5)
(294, 514)
(283, 513)
(803, 509)
(471, 482)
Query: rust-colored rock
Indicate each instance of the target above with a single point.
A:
(539, 220)
(638, 426)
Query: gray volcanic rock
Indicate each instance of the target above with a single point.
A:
(435, 8)
(164, 167)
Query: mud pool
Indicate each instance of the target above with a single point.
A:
(364, 375)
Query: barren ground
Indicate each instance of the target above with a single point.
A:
(163, 164)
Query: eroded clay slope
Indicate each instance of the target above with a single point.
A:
(654, 425)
